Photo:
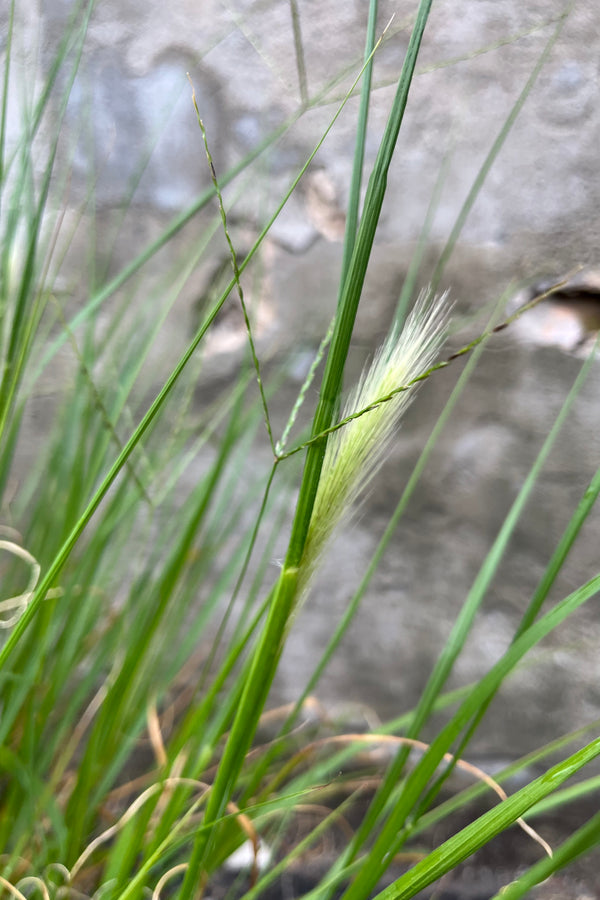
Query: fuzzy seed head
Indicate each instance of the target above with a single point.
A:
(356, 451)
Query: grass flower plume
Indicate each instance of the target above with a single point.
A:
(355, 451)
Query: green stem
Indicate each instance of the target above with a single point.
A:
(266, 657)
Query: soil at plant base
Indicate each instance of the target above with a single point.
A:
(479, 878)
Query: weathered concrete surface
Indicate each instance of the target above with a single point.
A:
(536, 216)
(467, 489)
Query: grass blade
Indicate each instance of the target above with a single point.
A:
(466, 842)
(267, 654)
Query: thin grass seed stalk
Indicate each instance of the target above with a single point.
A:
(355, 453)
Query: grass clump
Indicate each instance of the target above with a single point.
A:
(142, 620)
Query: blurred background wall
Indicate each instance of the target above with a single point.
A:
(131, 134)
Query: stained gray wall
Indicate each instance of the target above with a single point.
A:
(535, 216)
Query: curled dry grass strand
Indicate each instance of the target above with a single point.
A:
(35, 882)
(131, 811)
(12, 889)
(19, 601)
(395, 740)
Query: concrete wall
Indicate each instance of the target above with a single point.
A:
(535, 217)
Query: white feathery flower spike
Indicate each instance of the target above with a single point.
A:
(356, 451)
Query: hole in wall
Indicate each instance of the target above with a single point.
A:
(569, 319)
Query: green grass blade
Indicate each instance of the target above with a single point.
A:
(352, 608)
(299, 48)
(28, 302)
(410, 282)
(563, 549)
(4, 111)
(236, 276)
(389, 840)
(460, 800)
(466, 842)
(183, 218)
(391, 779)
(267, 654)
(490, 565)
(152, 412)
(494, 151)
(350, 297)
(582, 841)
(352, 214)
(548, 578)
(466, 617)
